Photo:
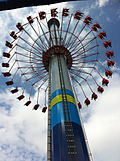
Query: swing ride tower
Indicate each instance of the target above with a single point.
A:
(67, 142)
(60, 54)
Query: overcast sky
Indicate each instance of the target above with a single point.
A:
(23, 132)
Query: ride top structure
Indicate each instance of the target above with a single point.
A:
(64, 55)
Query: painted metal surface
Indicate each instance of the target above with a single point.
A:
(57, 110)
(68, 142)
(67, 137)
(73, 149)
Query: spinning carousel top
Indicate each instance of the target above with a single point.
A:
(77, 37)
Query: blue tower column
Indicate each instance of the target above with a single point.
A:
(66, 133)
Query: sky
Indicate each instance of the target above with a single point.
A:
(23, 132)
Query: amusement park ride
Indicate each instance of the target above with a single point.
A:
(63, 54)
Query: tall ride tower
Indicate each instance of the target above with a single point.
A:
(61, 55)
(67, 139)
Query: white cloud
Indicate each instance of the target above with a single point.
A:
(21, 127)
(103, 2)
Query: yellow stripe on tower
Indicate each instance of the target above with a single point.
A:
(60, 98)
